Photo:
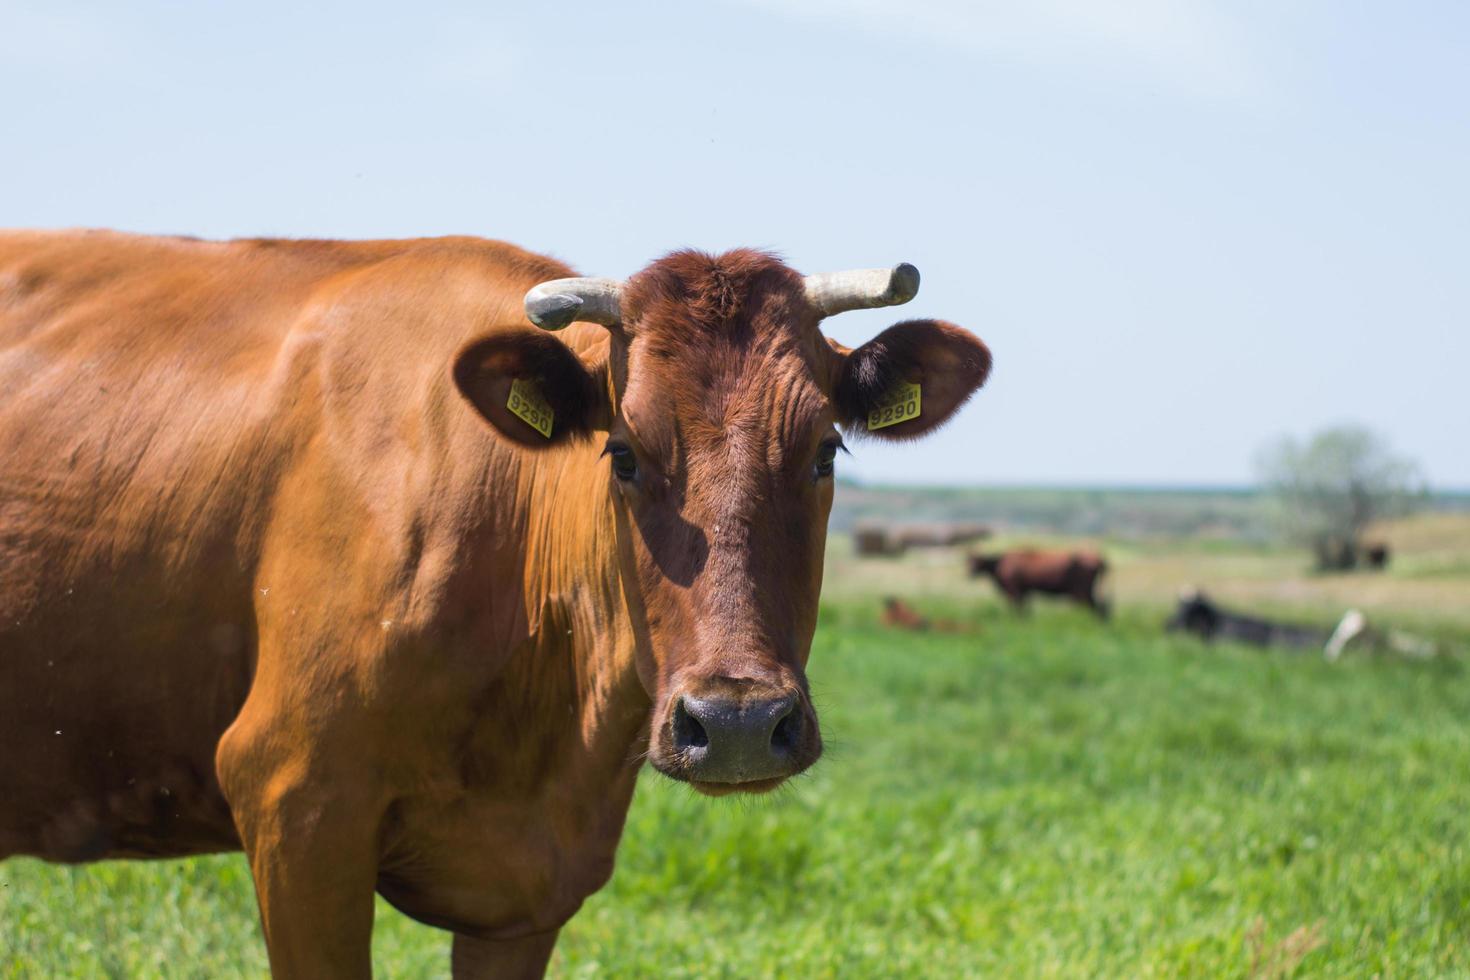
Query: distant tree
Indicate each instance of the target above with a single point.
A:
(1329, 488)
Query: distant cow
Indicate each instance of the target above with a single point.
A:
(941, 535)
(1344, 555)
(898, 614)
(1070, 574)
(1199, 615)
(875, 540)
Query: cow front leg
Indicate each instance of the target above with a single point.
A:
(502, 959)
(311, 836)
(314, 866)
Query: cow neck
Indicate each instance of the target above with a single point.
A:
(577, 616)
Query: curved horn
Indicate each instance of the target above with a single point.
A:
(552, 305)
(862, 289)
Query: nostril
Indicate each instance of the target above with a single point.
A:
(688, 732)
(786, 732)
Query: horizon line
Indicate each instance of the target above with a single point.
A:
(1142, 486)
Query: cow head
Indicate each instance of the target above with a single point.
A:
(1195, 613)
(719, 411)
(984, 565)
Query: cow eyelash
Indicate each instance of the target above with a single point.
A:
(624, 463)
(827, 457)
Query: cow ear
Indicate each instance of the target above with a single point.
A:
(948, 363)
(532, 388)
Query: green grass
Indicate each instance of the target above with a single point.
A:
(1042, 797)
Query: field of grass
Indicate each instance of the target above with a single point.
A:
(1426, 587)
(1048, 796)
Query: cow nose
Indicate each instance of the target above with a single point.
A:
(728, 741)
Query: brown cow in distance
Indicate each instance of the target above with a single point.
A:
(898, 614)
(323, 550)
(1069, 574)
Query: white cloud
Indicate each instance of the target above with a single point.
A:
(1194, 45)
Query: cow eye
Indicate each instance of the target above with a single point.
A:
(826, 459)
(624, 463)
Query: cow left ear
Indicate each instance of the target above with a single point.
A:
(948, 363)
(532, 388)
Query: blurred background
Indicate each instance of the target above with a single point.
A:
(1219, 253)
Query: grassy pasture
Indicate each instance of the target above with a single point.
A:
(1426, 587)
(1047, 796)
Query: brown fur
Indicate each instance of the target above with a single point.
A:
(268, 579)
(898, 614)
(1071, 575)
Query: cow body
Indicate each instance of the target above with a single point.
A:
(268, 579)
(1198, 614)
(241, 566)
(898, 614)
(1071, 575)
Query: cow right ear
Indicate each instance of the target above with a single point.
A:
(948, 362)
(532, 388)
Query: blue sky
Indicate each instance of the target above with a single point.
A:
(1183, 227)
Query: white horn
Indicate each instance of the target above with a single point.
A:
(552, 305)
(861, 289)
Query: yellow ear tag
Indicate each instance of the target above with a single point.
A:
(526, 404)
(899, 405)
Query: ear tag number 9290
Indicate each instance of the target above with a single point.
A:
(526, 404)
(900, 404)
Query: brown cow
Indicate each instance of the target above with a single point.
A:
(898, 614)
(1376, 556)
(1071, 574)
(282, 568)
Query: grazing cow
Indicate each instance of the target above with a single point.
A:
(1376, 556)
(321, 550)
(1197, 614)
(1070, 574)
